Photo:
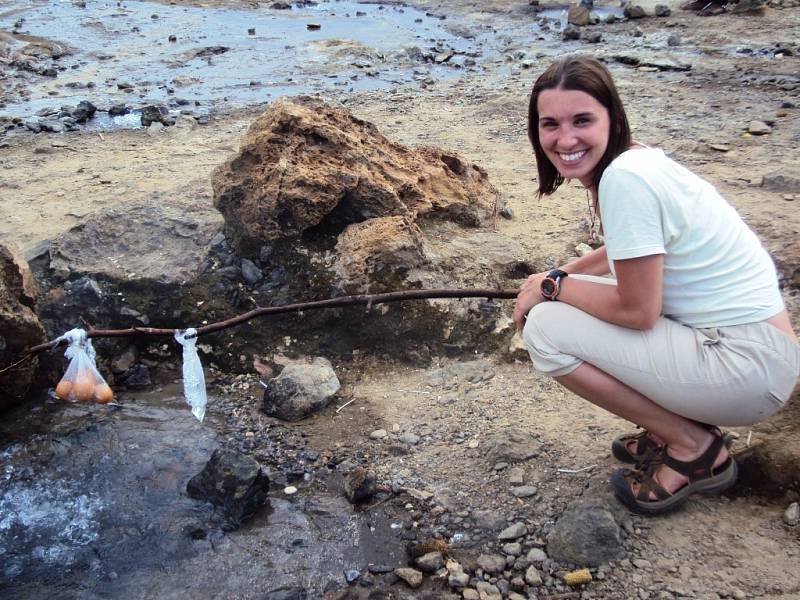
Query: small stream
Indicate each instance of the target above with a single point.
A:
(93, 504)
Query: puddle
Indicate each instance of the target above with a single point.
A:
(202, 59)
(93, 504)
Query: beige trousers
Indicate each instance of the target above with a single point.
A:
(730, 376)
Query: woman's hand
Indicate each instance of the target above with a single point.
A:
(530, 294)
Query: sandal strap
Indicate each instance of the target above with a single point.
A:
(699, 467)
(647, 484)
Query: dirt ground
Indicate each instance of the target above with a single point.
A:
(716, 548)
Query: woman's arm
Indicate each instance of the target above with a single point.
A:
(635, 302)
(594, 263)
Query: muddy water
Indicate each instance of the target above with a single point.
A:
(200, 59)
(93, 504)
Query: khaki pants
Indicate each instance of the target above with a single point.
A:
(735, 375)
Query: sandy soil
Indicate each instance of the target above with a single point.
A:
(715, 548)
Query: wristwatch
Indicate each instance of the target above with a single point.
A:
(551, 285)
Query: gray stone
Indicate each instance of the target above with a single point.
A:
(302, 388)
(524, 491)
(782, 182)
(514, 548)
(410, 439)
(492, 563)
(536, 555)
(487, 591)
(513, 532)
(488, 520)
(430, 562)
(378, 434)
(593, 37)
(516, 476)
(232, 482)
(571, 33)
(125, 360)
(251, 273)
(586, 534)
(458, 580)
(532, 576)
(674, 40)
(156, 114)
(758, 128)
(662, 10)
(634, 11)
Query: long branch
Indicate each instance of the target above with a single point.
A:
(368, 299)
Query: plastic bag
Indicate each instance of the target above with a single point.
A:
(82, 381)
(194, 381)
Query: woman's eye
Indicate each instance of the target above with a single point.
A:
(582, 121)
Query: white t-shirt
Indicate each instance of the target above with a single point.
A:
(716, 272)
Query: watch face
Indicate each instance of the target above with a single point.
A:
(548, 287)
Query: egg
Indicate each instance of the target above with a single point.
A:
(83, 387)
(63, 389)
(103, 393)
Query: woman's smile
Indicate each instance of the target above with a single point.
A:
(573, 131)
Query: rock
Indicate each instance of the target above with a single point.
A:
(516, 476)
(513, 445)
(662, 10)
(291, 593)
(792, 514)
(232, 482)
(674, 40)
(758, 128)
(281, 6)
(411, 576)
(507, 212)
(571, 33)
(20, 327)
(488, 520)
(583, 249)
(251, 273)
(84, 111)
(487, 591)
(470, 594)
(586, 534)
(117, 110)
(523, 491)
(578, 15)
(513, 532)
(536, 555)
(351, 575)
(458, 580)
(593, 37)
(302, 388)
(308, 166)
(360, 485)
(156, 114)
(492, 563)
(634, 11)
(532, 576)
(137, 377)
(430, 562)
(410, 439)
(782, 182)
(378, 434)
(125, 360)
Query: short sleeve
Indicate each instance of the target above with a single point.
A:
(631, 216)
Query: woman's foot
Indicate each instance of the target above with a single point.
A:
(638, 448)
(674, 475)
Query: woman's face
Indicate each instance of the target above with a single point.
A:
(573, 132)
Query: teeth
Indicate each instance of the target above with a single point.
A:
(572, 157)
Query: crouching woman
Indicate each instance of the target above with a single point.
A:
(690, 333)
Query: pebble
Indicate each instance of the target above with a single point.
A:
(532, 576)
(516, 476)
(514, 548)
(289, 490)
(517, 530)
(758, 128)
(411, 576)
(792, 514)
(536, 555)
(641, 563)
(378, 434)
(470, 594)
(458, 580)
(410, 439)
(524, 491)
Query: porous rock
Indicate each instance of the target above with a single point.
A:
(514, 445)
(304, 165)
(360, 485)
(302, 388)
(20, 327)
(587, 534)
(232, 482)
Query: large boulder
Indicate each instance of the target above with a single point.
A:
(20, 328)
(302, 388)
(306, 166)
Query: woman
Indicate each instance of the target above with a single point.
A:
(690, 334)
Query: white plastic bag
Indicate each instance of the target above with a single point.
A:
(194, 382)
(82, 381)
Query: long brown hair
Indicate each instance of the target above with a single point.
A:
(584, 74)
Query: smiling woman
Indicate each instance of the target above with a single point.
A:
(689, 334)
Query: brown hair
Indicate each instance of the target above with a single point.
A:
(584, 74)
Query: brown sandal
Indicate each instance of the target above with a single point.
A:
(703, 478)
(643, 452)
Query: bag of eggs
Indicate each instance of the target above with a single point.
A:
(82, 381)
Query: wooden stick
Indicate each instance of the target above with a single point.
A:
(368, 299)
